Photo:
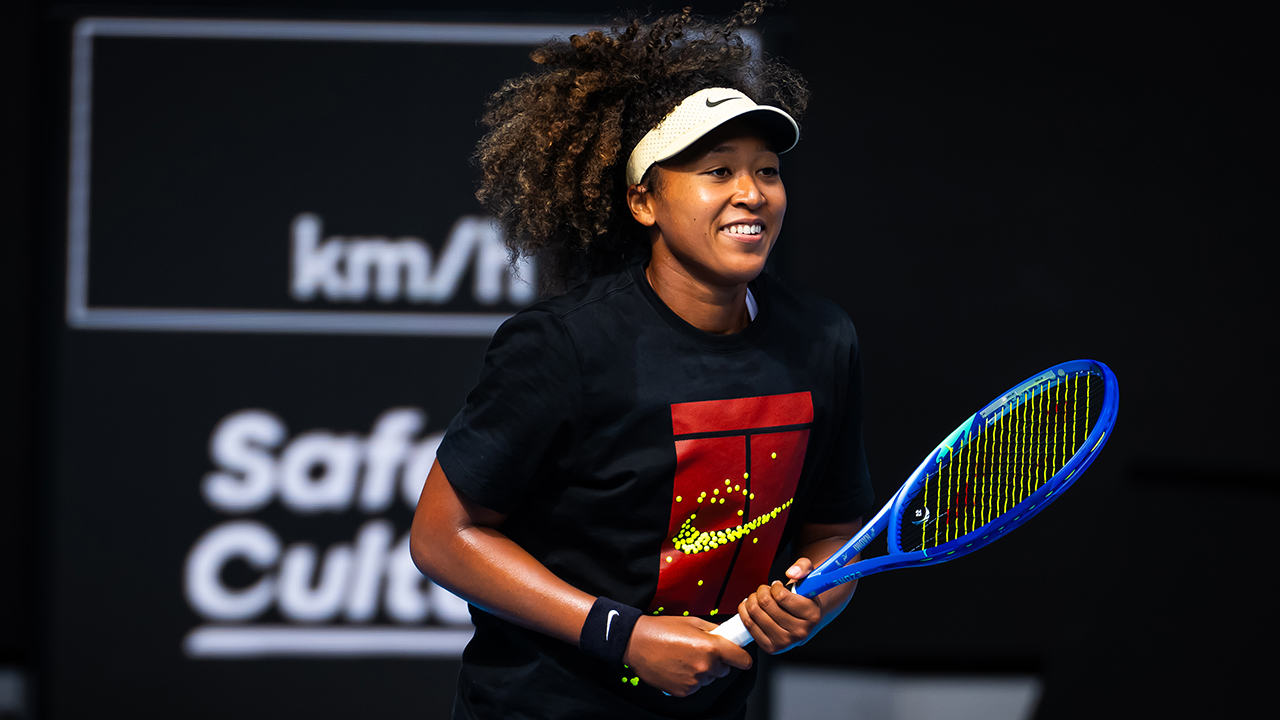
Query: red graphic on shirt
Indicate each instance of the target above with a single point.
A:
(737, 466)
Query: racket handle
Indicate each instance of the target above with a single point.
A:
(734, 630)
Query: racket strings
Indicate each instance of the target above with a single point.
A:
(990, 471)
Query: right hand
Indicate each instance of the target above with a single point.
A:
(678, 655)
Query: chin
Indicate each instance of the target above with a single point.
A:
(743, 271)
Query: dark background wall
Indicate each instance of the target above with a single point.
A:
(986, 192)
(1003, 188)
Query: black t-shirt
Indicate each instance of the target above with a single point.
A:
(640, 458)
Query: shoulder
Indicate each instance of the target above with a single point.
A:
(559, 329)
(595, 295)
(601, 300)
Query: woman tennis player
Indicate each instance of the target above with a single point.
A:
(641, 446)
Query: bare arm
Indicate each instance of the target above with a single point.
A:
(459, 546)
(777, 618)
(456, 543)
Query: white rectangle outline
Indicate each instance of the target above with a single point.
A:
(283, 641)
(80, 315)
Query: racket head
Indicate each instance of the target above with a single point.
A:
(1006, 462)
(999, 468)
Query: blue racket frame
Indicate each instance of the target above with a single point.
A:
(833, 571)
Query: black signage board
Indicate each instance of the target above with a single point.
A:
(279, 290)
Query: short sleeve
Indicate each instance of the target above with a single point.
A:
(517, 416)
(845, 492)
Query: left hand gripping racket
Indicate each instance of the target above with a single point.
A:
(1003, 465)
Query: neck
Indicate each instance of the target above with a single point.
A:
(712, 308)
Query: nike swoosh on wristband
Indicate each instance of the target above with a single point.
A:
(609, 622)
(718, 102)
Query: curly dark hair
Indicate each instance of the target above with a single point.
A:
(553, 162)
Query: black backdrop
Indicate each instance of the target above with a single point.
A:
(986, 193)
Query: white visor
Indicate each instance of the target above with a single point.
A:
(699, 114)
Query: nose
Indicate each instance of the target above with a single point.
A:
(748, 193)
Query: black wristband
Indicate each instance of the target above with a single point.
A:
(607, 630)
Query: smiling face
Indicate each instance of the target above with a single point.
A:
(716, 209)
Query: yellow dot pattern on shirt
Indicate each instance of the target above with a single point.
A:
(715, 499)
(691, 541)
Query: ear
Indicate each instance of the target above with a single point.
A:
(640, 200)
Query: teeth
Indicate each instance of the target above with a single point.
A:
(746, 229)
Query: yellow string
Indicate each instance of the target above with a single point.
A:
(975, 482)
(1075, 409)
(1033, 472)
(974, 491)
(960, 489)
(1012, 463)
(1005, 452)
(947, 469)
(1033, 439)
(1042, 443)
(1065, 454)
(924, 527)
(1050, 432)
(1057, 410)
(1037, 434)
(937, 506)
(986, 467)
(1029, 422)
(968, 472)
(1022, 449)
(1088, 391)
(993, 467)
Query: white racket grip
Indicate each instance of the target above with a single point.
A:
(734, 630)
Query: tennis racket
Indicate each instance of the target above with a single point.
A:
(1003, 465)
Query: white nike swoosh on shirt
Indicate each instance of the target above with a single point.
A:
(609, 622)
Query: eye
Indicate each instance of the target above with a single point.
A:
(769, 171)
(720, 172)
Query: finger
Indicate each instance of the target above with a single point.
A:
(756, 617)
(683, 691)
(783, 624)
(718, 670)
(781, 604)
(732, 655)
(800, 569)
(798, 606)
